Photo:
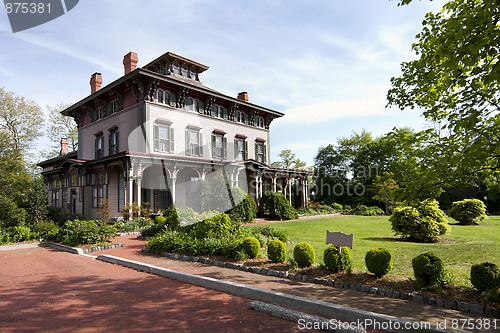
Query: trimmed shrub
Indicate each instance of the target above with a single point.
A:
(279, 234)
(251, 246)
(337, 207)
(485, 276)
(468, 211)
(160, 220)
(428, 269)
(216, 226)
(304, 254)
(246, 208)
(424, 222)
(378, 261)
(335, 261)
(47, 230)
(278, 206)
(172, 221)
(276, 251)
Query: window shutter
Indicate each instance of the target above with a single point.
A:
(172, 146)
(265, 154)
(96, 145)
(224, 147)
(201, 144)
(156, 136)
(110, 143)
(188, 151)
(235, 149)
(256, 154)
(213, 146)
(117, 142)
(246, 151)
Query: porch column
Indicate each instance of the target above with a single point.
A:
(273, 180)
(174, 179)
(257, 188)
(290, 190)
(260, 186)
(139, 194)
(130, 194)
(304, 192)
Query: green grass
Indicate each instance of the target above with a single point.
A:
(466, 245)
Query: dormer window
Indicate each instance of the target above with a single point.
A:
(185, 71)
(176, 68)
(192, 74)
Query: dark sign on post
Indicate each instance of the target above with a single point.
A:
(339, 239)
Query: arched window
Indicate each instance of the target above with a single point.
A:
(185, 71)
(176, 68)
(241, 117)
(159, 96)
(259, 121)
(196, 105)
(166, 97)
(189, 104)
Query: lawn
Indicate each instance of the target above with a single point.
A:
(466, 245)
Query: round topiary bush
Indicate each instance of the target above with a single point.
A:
(336, 261)
(251, 246)
(304, 254)
(468, 211)
(378, 261)
(276, 251)
(278, 206)
(485, 276)
(428, 269)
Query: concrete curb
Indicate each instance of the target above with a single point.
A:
(62, 247)
(304, 319)
(314, 307)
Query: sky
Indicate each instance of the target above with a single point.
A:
(325, 64)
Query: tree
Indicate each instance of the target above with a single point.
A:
(455, 80)
(21, 119)
(385, 189)
(61, 126)
(289, 161)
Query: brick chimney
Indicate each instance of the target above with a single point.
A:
(243, 96)
(130, 62)
(95, 82)
(64, 147)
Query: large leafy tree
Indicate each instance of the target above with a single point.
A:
(289, 161)
(455, 80)
(21, 119)
(61, 126)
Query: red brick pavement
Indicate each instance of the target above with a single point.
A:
(42, 290)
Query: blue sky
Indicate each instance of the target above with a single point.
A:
(325, 64)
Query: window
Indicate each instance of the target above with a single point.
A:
(159, 96)
(112, 107)
(97, 196)
(219, 146)
(189, 104)
(259, 121)
(240, 149)
(196, 105)
(113, 142)
(55, 198)
(260, 151)
(99, 145)
(194, 142)
(176, 68)
(163, 96)
(163, 137)
(185, 71)
(218, 111)
(240, 117)
(74, 180)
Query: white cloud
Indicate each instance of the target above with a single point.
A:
(370, 102)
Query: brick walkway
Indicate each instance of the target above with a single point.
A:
(364, 301)
(43, 290)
